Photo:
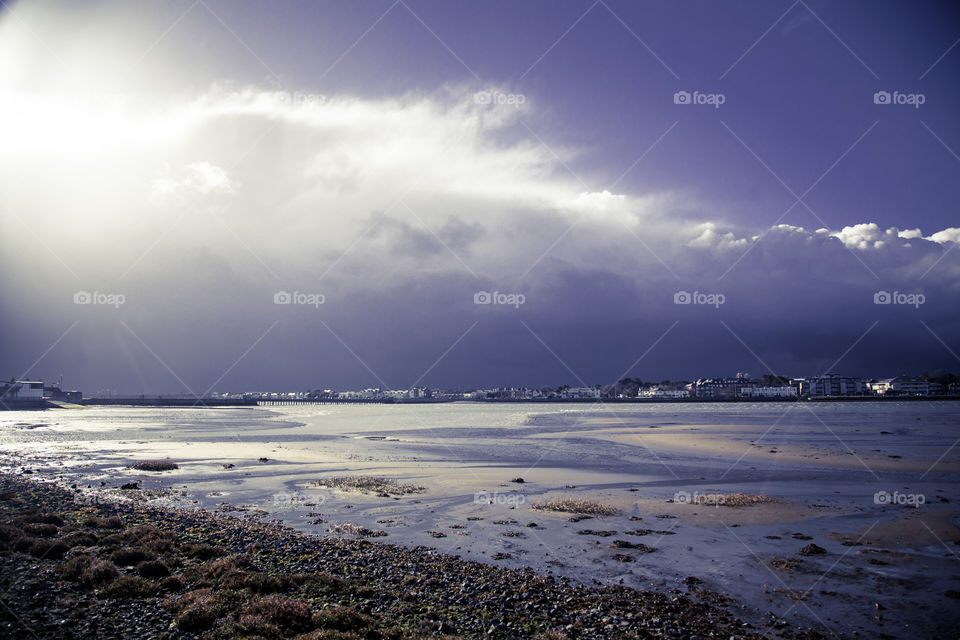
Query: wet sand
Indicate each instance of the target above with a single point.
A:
(754, 443)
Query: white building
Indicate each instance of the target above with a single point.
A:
(717, 387)
(366, 394)
(831, 384)
(30, 389)
(904, 386)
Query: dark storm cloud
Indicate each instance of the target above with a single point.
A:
(266, 238)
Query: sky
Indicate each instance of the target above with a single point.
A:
(219, 195)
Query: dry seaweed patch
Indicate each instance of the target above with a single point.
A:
(369, 484)
(357, 530)
(573, 505)
(786, 564)
(154, 465)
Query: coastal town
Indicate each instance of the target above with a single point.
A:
(741, 387)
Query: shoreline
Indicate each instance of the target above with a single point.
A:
(213, 403)
(379, 590)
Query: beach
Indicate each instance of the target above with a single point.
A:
(845, 524)
(126, 568)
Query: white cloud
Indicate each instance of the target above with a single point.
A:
(707, 235)
(328, 175)
(198, 180)
(951, 234)
(869, 235)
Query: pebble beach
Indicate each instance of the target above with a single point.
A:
(77, 568)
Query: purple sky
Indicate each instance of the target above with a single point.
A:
(397, 158)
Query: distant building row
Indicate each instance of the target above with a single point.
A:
(415, 393)
(740, 387)
(816, 386)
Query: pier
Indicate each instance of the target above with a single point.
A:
(146, 401)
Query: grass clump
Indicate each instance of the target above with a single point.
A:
(203, 551)
(45, 518)
(74, 568)
(198, 610)
(238, 572)
(369, 484)
(100, 572)
(171, 584)
(127, 556)
(129, 587)
(48, 549)
(256, 582)
(154, 465)
(342, 619)
(8, 535)
(146, 536)
(79, 539)
(87, 570)
(574, 505)
(225, 566)
(153, 569)
(281, 612)
(41, 529)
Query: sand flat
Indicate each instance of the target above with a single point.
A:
(735, 443)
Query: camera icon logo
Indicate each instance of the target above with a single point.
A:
(681, 97)
(881, 97)
(82, 297)
(284, 498)
(881, 497)
(482, 97)
(482, 297)
(682, 297)
(282, 297)
(682, 497)
(882, 297)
